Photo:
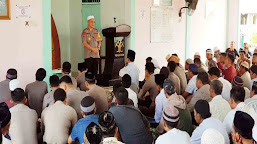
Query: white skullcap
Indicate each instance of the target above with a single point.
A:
(189, 61)
(14, 84)
(122, 72)
(90, 17)
(255, 133)
(212, 136)
(209, 51)
(197, 54)
(216, 49)
(155, 63)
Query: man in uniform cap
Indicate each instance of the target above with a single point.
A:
(245, 75)
(4, 85)
(88, 110)
(92, 43)
(5, 118)
(171, 121)
(242, 128)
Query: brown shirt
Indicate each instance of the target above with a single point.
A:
(74, 98)
(81, 80)
(100, 97)
(182, 77)
(149, 86)
(176, 81)
(92, 38)
(35, 93)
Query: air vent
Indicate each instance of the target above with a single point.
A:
(91, 1)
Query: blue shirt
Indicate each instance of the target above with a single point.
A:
(80, 127)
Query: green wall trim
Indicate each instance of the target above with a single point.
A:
(227, 42)
(133, 24)
(47, 38)
(187, 42)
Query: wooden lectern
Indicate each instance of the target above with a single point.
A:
(115, 49)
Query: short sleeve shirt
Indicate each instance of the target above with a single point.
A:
(92, 38)
(191, 87)
(79, 129)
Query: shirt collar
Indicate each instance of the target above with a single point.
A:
(217, 97)
(240, 105)
(59, 103)
(254, 97)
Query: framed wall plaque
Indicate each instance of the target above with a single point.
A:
(5, 10)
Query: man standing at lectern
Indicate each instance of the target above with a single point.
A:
(92, 43)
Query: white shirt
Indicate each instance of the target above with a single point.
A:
(160, 103)
(133, 96)
(247, 93)
(251, 84)
(254, 98)
(219, 107)
(111, 140)
(133, 72)
(206, 124)
(247, 79)
(174, 136)
(191, 87)
(23, 128)
(226, 88)
(58, 119)
(228, 121)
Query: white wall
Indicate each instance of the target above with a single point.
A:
(68, 19)
(205, 32)
(21, 46)
(208, 31)
(75, 34)
(158, 51)
(233, 22)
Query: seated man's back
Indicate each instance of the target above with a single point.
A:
(58, 119)
(74, 98)
(100, 97)
(133, 126)
(23, 127)
(35, 92)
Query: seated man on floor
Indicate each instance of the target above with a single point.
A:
(149, 87)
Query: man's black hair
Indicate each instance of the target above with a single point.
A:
(54, 81)
(59, 95)
(165, 71)
(214, 71)
(126, 81)
(40, 74)
(131, 55)
(253, 69)
(203, 77)
(90, 77)
(202, 107)
(159, 80)
(122, 96)
(149, 67)
(237, 93)
(66, 79)
(66, 67)
(172, 66)
(18, 95)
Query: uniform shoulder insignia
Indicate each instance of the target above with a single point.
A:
(95, 30)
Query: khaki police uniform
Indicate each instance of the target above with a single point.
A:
(92, 38)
